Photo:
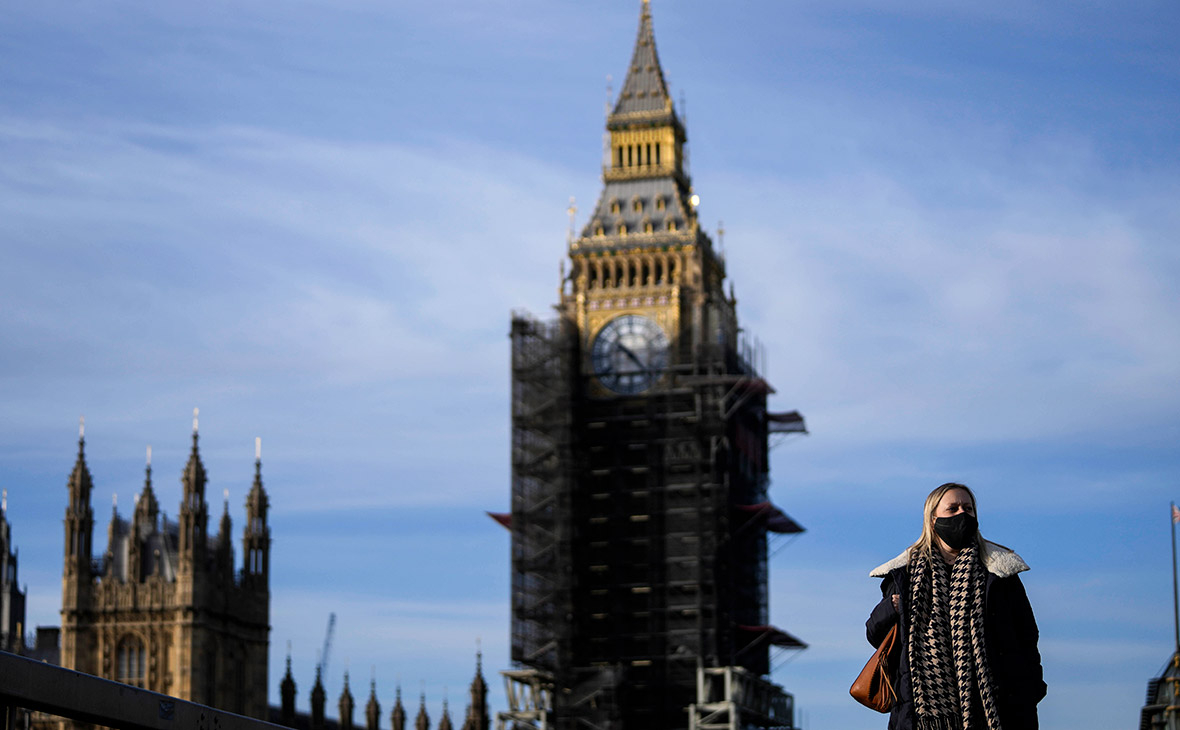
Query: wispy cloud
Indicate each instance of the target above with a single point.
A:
(1023, 316)
(951, 227)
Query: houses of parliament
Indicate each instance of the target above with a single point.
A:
(166, 609)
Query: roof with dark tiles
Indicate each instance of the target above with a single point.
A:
(645, 92)
(648, 192)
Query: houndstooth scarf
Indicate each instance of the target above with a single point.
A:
(948, 659)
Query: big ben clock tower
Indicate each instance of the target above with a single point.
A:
(646, 283)
(640, 497)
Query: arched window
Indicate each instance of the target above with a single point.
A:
(614, 206)
(131, 660)
(637, 204)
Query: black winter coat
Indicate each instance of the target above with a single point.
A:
(1010, 632)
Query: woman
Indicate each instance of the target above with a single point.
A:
(968, 658)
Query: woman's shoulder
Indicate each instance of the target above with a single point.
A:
(888, 567)
(1000, 561)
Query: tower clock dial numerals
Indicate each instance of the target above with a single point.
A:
(629, 354)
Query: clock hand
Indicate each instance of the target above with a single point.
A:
(632, 355)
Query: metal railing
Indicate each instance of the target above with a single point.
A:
(33, 685)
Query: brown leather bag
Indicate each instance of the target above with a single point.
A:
(874, 687)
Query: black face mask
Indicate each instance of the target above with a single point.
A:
(958, 531)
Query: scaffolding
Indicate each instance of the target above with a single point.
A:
(639, 532)
(730, 698)
(541, 466)
(530, 700)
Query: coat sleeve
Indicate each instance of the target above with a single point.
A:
(884, 615)
(1026, 635)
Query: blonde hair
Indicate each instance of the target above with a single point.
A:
(925, 543)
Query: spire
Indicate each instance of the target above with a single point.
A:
(346, 706)
(7, 556)
(146, 507)
(257, 497)
(226, 524)
(80, 480)
(398, 716)
(317, 701)
(444, 722)
(373, 708)
(114, 529)
(194, 471)
(225, 545)
(287, 693)
(422, 722)
(256, 536)
(79, 522)
(194, 513)
(645, 92)
(478, 715)
(143, 524)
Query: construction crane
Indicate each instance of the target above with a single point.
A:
(323, 667)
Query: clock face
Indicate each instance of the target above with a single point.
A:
(629, 354)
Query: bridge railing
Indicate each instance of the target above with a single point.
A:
(34, 685)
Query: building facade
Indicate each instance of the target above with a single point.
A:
(641, 429)
(12, 598)
(164, 608)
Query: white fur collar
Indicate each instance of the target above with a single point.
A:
(999, 560)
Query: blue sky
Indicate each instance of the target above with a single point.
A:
(953, 227)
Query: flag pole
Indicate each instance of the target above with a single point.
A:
(1175, 594)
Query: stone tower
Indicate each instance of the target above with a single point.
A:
(640, 495)
(163, 608)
